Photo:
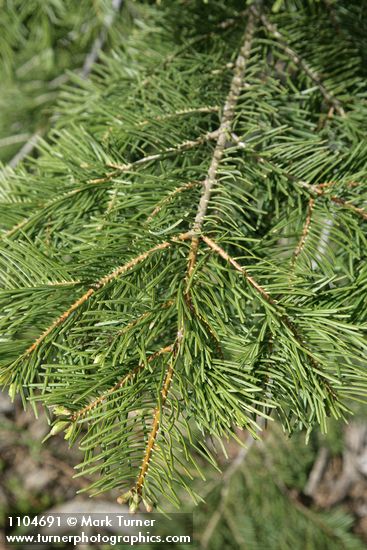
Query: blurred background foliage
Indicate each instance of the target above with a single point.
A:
(41, 44)
(277, 493)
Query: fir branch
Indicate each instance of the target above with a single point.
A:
(171, 196)
(241, 348)
(100, 284)
(349, 206)
(152, 437)
(181, 147)
(214, 246)
(321, 190)
(304, 233)
(81, 413)
(315, 190)
(282, 315)
(297, 60)
(181, 112)
(223, 133)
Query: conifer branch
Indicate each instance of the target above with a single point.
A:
(223, 133)
(170, 197)
(182, 112)
(283, 316)
(42, 208)
(297, 60)
(316, 190)
(100, 284)
(249, 339)
(152, 438)
(81, 413)
(320, 191)
(214, 246)
(305, 231)
(349, 206)
(181, 147)
(184, 146)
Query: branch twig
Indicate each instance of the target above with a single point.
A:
(305, 231)
(156, 418)
(101, 283)
(286, 320)
(184, 146)
(81, 413)
(297, 59)
(214, 246)
(222, 136)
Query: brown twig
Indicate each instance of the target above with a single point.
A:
(156, 418)
(81, 413)
(222, 135)
(170, 196)
(297, 60)
(181, 112)
(349, 206)
(305, 231)
(214, 246)
(285, 319)
(316, 190)
(320, 191)
(184, 146)
(101, 283)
